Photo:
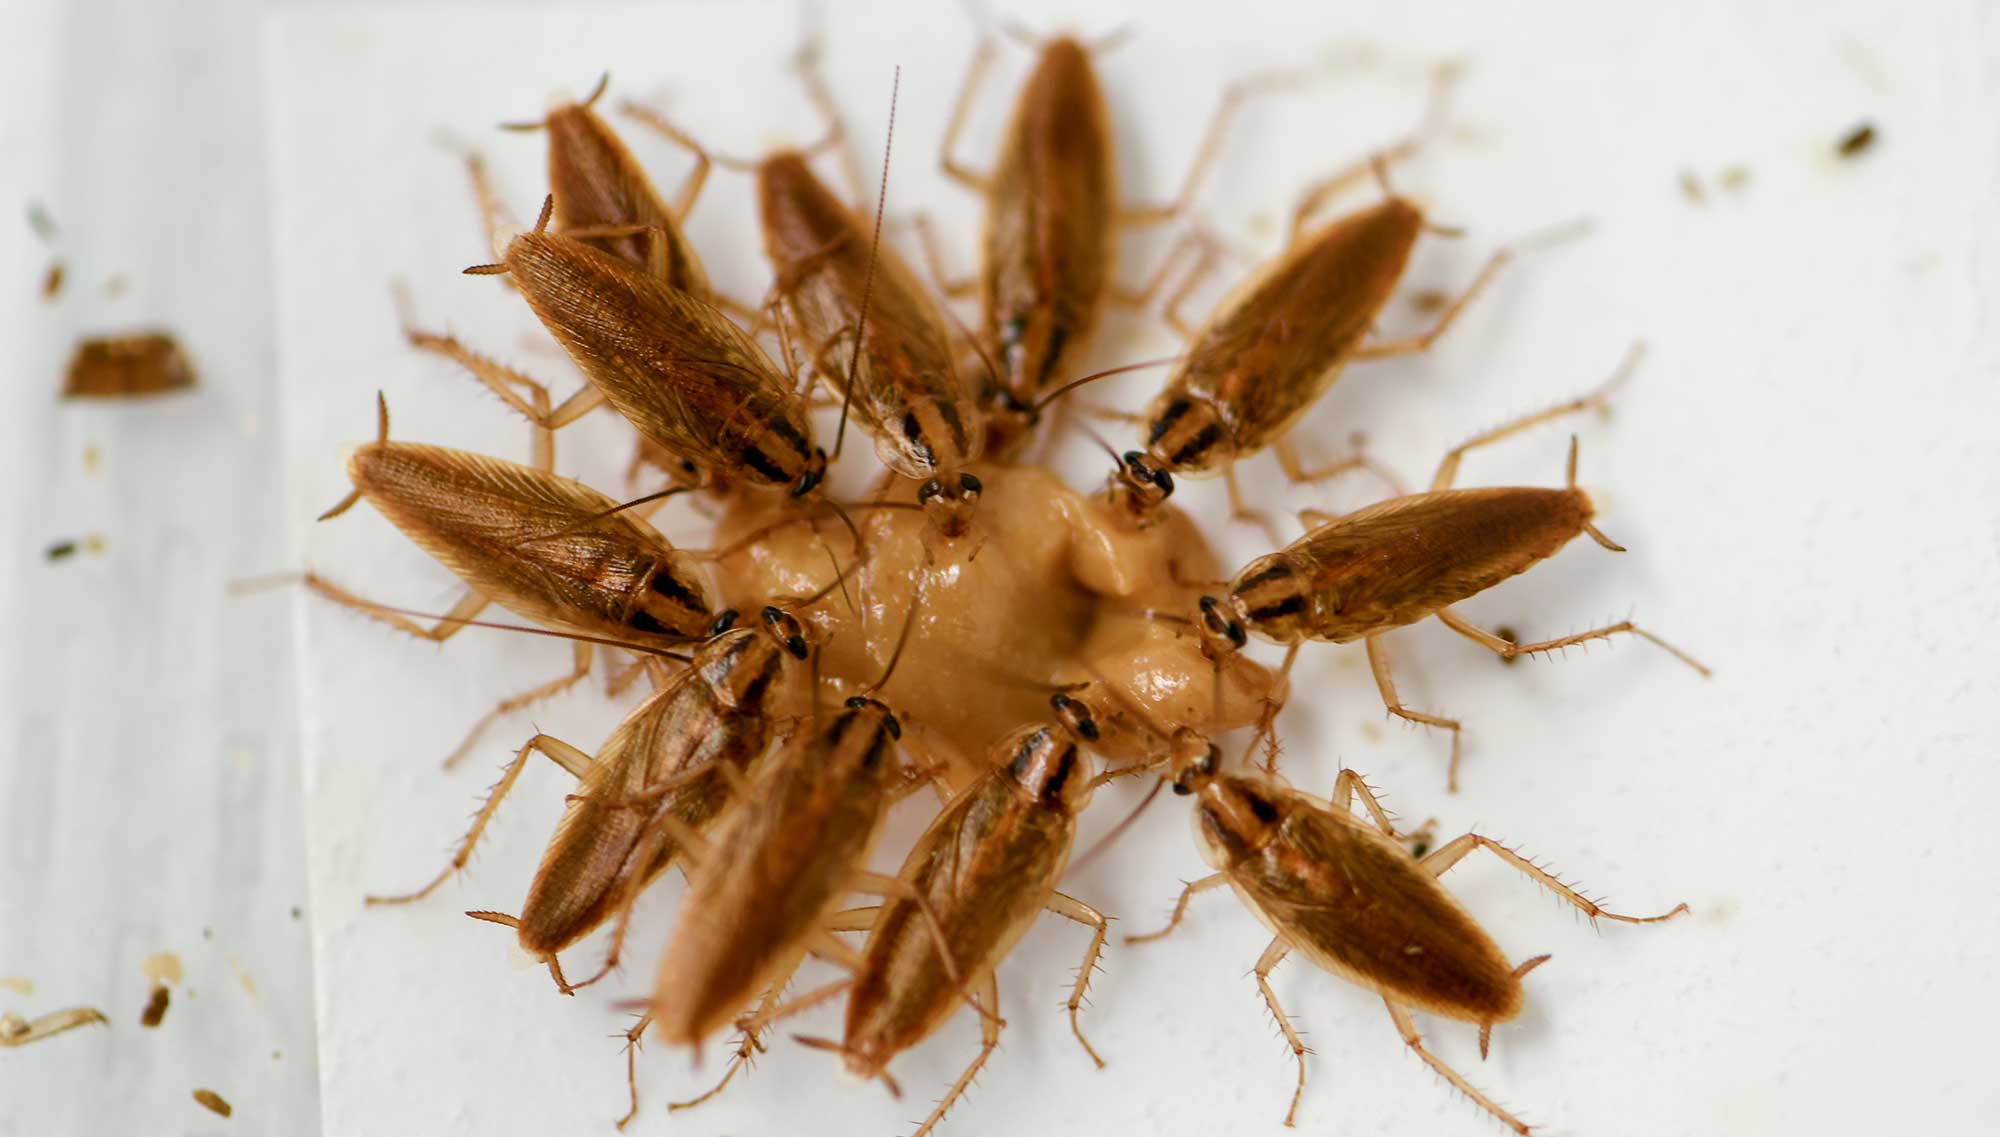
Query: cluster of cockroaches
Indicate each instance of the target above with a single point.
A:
(1042, 623)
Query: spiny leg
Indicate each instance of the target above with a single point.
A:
(1274, 954)
(691, 186)
(1196, 276)
(1486, 1028)
(1377, 163)
(1506, 649)
(746, 1047)
(837, 138)
(1408, 1029)
(1595, 399)
(581, 668)
(1453, 851)
(1378, 662)
(561, 753)
(956, 287)
(1195, 241)
(446, 626)
(1180, 906)
(1299, 473)
(990, 1023)
(633, 1034)
(1233, 98)
(1351, 784)
(1071, 908)
(505, 382)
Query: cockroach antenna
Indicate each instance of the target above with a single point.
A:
(868, 281)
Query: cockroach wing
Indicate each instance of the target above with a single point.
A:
(1356, 904)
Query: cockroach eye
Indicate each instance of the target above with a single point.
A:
(1163, 481)
(970, 484)
(1087, 728)
(797, 646)
(1183, 789)
(894, 728)
(723, 622)
(929, 490)
(856, 702)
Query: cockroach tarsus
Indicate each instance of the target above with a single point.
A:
(1349, 897)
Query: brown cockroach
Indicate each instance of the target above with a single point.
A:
(988, 865)
(669, 360)
(1399, 561)
(1351, 899)
(545, 548)
(1275, 344)
(603, 854)
(1052, 219)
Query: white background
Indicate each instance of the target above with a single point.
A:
(1802, 470)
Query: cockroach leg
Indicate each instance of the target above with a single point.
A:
(1596, 399)
(886, 886)
(691, 186)
(1213, 880)
(1347, 787)
(1406, 1027)
(746, 1049)
(956, 287)
(1233, 99)
(1274, 954)
(837, 137)
(1196, 242)
(1501, 257)
(1375, 165)
(1297, 472)
(492, 214)
(1071, 908)
(578, 672)
(575, 761)
(1451, 852)
(1378, 662)
(1203, 266)
(989, 1041)
(1486, 1028)
(455, 620)
(622, 679)
(633, 1036)
(975, 72)
(1508, 650)
(1239, 510)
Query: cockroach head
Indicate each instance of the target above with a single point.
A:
(1221, 630)
(1196, 761)
(1237, 817)
(889, 721)
(949, 500)
(1075, 716)
(1140, 485)
(785, 628)
(814, 475)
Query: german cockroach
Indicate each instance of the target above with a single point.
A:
(1351, 899)
(988, 865)
(1053, 213)
(603, 854)
(870, 328)
(670, 361)
(1358, 576)
(545, 548)
(1279, 340)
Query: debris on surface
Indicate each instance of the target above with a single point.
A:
(1735, 179)
(40, 221)
(1856, 142)
(156, 1007)
(1691, 187)
(52, 281)
(17, 1031)
(213, 1102)
(17, 983)
(115, 367)
(66, 548)
(115, 285)
(1429, 301)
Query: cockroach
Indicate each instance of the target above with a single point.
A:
(1351, 899)
(765, 887)
(1052, 219)
(603, 855)
(871, 329)
(988, 865)
(670, 361)
(1275, 344)
(1399, 561)
(545, 548)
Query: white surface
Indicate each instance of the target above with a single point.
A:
(149, 786)
(1803, 470)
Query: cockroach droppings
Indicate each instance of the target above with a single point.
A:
(213, 1102)
(1856, 142)
(61, 550)
(120, 367)
(156, 1007)
(52, 280)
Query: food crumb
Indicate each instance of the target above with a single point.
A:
(156, 1007)
(162, 967)
(1856, 141)
(115, 367)
(213, 1102)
